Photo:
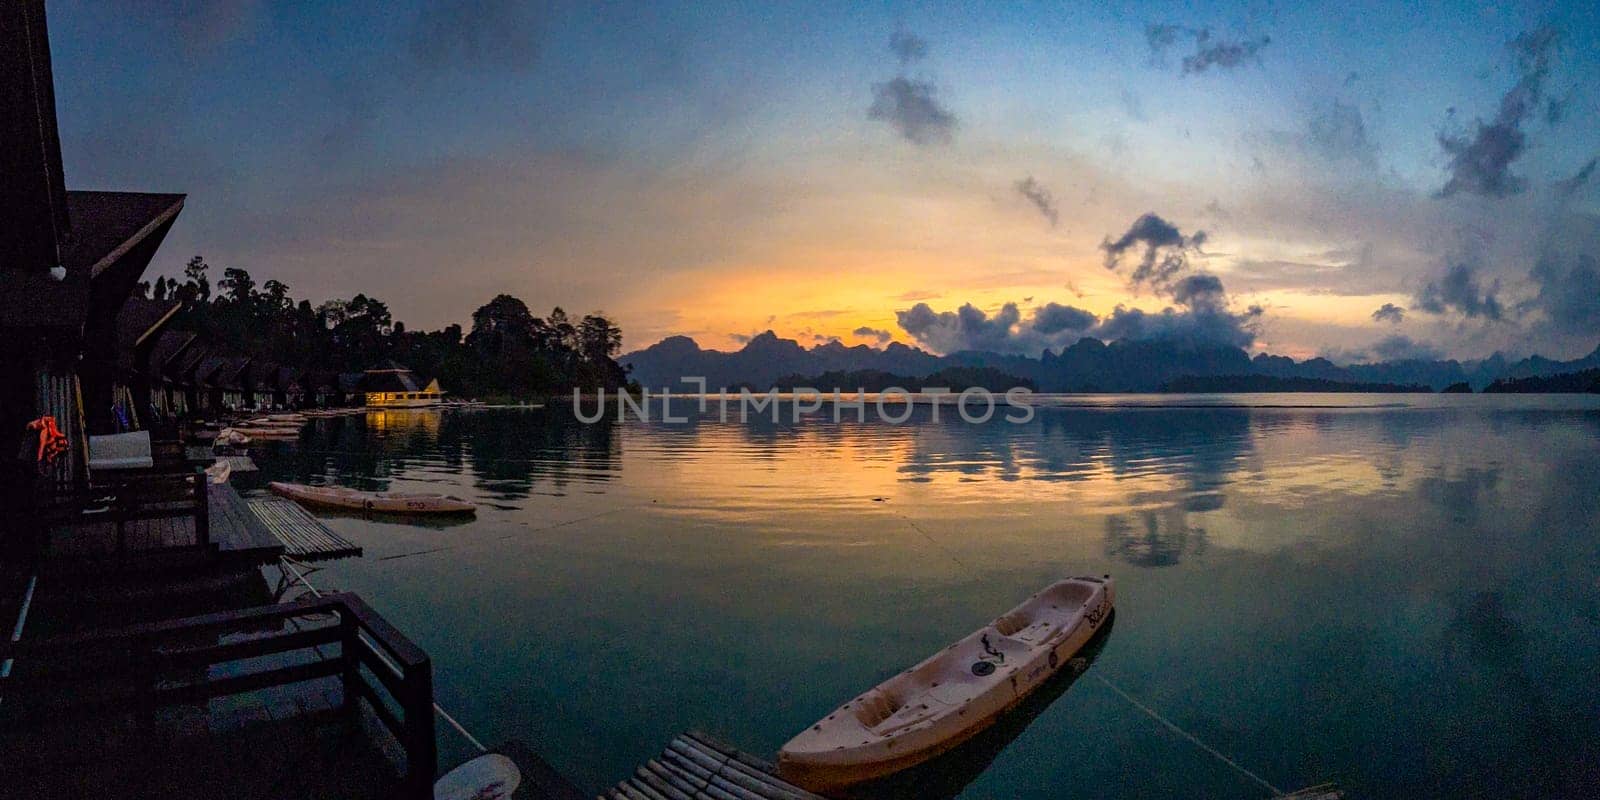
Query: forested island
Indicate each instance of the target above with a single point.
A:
(1585, 381)
(508, 351)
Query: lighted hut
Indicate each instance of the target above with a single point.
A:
(390, 385)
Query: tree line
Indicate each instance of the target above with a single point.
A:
(507, 352)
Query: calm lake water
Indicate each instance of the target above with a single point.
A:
(1401, 594)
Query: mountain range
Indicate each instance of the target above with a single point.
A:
(1089, 365)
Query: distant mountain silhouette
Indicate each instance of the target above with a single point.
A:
(1089, 365)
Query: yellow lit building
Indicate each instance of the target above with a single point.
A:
(390, 385)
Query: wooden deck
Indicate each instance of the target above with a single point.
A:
(236, 535)
(268, 717)
(696, 767)
(303, 536)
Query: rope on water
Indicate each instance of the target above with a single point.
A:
(1194, 740)
(287, 564)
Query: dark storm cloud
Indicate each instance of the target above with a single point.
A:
(1165, 251)
(1481, 163)
(1404, 348)
(1203, 313)
(1566, 188)
(201, 24)
(1209, 50)
(967, 328)
(1567, 274)
(1220, 53)
(867, 332)
(1390, 313)
(908, 47)
(911, 108)
(478, 34)
(971, 328)
(1459, 289)
(1041, 198)
(1339, 133)
(1207, 324)
(1053, 318)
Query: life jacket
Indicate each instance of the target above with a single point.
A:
(52, 442)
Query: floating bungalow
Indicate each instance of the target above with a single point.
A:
(390, 385)
(147, 655)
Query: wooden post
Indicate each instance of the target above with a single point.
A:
(202, 510)
(349, 656)
(422, 757)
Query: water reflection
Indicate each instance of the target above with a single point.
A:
(1152, 538)
(1384, 596)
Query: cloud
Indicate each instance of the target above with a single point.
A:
(1390, 313)
(1209, 51)
(1165, 250)
(1567, 274)
(1041, 198)
(1566, 188)
(1481, 163)
(1339, 133)
(868, 332)
(202, 25)
(1053, 318)
(478, 34)
(1404, 348)
(1204, 317)
(971, 328)
(911, 108)
(1459, 289)
(908, 47)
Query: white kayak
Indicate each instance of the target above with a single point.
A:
(219, 472)
(267, 432)
(952, 696)
(230, 436)
(386, 502)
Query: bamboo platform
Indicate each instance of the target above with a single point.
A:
(696, 767)
(238, 463)
(304, 538)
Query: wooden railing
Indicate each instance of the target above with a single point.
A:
(67, 512)
(144, 667)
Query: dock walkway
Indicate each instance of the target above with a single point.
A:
(696, 767)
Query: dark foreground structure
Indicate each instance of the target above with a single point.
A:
(143, 653)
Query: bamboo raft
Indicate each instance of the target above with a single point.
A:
(237, 464)
(696, 767)
(304, 537)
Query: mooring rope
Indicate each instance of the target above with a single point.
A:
(1148, 711)
(1195, 740)
(288, 564)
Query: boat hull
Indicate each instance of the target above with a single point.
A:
(909, 719)
(378, 502)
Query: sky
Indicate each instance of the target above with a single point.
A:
(1358, 181)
